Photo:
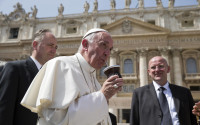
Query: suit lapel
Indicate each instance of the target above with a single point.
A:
(175, 96)
(154, 95)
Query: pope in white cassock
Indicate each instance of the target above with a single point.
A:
(66, 91)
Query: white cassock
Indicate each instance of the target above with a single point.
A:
(65, 92)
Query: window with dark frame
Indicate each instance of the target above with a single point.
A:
(71, 30)
(195, 88)
(187, 23)
(14, 33)
(152, 22)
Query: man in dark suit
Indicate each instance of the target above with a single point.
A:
(16, 77)
(146, 108)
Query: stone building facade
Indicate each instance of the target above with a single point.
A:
(138, 33)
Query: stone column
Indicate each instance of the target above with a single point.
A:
(143, 67)
(113, 61)
(165, 54)
(177, 67)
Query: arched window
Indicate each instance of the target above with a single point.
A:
(191, 65)
(128, 66)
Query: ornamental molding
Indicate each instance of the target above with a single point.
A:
(126, 26)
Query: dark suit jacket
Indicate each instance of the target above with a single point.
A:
(145, 107)
(113, 119)
(14, 81)
(1, 68)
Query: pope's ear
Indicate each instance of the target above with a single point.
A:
(85, 43)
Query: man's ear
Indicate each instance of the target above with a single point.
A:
(35, 44)
(168, 69)
(85, 44)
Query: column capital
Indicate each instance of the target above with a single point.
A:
(142, 51)
(114, 52)
(59, 20)
(176, 51)
(164, 50)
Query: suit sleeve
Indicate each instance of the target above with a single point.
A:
(134, 115)
(8, 93)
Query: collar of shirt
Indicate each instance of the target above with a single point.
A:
(36, 63)
(170, 100)
(84, 64)
(166, 86)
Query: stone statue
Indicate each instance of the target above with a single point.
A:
(159, 3)
(18, 6)
(171, 3)
(127, 3)
(34, 11)
(112, 4)
(60, 10)
(140, 4)
(86, 6)
(2, 16)
(95, 6)
(198, 2)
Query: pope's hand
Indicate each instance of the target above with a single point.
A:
(196, 109)
(111, 86)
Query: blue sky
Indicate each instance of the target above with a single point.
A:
(49, 8)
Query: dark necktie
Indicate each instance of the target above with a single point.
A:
(166, 120)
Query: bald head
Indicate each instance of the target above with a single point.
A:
(158, 58)
(158, 69)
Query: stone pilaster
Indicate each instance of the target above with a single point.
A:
(32, 24)
(177, 67)
(113, 57)
(165, 53)
(143, 66)
(59, 26)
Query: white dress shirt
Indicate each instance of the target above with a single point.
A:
(170, 101)
(36, 63)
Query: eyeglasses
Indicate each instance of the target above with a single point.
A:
(157, 67)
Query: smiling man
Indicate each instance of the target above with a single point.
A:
(161, 103)
(66, 91)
